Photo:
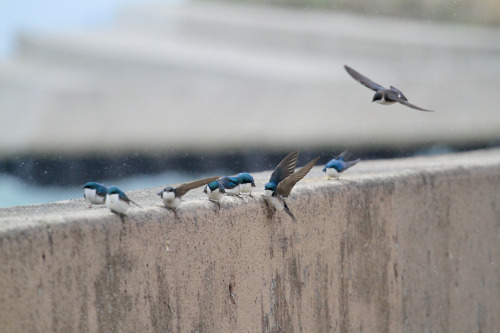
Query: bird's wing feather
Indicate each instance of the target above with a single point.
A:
(399, 93)
(135, 203)
(285, 168)
(414, 106)
(101, 190)
(184, 188)
(350, 163)
(124, 197)
(228, 182)
(363, 79)
(341, 155)
(286, 185)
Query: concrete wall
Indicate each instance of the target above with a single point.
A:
(408, 245)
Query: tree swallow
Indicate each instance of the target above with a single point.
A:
(338, 165)
(246, 182)
(117, 201)
(172, 197)
(382, 95)
(95, 193)
(231, 185)
(215, 191)
(283, 179)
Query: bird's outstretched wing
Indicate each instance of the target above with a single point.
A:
(341, 155)
(363, 79)
(286, 185)
(413, 106)
(184, 188)
(350, 163)
(285, 168)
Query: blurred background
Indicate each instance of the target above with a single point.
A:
(141, 94)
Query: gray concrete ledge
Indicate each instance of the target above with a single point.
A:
(406, 245)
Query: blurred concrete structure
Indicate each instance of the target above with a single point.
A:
(476, 12)
(206, 77)
(406, 245)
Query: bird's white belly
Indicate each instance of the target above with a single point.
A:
(276, 201)
(246, 188)
(170, 201)
(114, 203)
(385, 102)
(235, 190)
(332, 173)
(92, 197)
(214, 195)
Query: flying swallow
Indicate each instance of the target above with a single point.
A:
(117, 201)
(338, 165)
(94, 193)
(282, 181)
(383, 95)
(172, 197)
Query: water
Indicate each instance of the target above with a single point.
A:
(16, 192)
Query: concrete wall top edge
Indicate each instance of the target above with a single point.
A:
(366, 172)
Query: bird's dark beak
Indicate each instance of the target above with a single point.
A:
(253, 184)
(160, 193)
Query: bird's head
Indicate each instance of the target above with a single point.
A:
(270, 187)
(115, 190)
(245, 178)
(166, 189)
(91, 185)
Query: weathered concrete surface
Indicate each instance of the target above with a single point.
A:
(204, 64)
(408, 245)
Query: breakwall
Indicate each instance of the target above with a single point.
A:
(406, 245)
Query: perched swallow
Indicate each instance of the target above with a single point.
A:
(246, 182)
(236, 185)
(382, 95)
(215, 191)
(117, 201)
(95, 193)
(172, 197)
(338, 165)
(231, 185)
(283, 179)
